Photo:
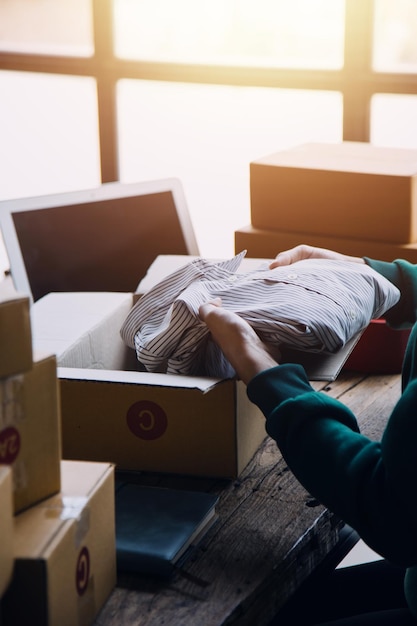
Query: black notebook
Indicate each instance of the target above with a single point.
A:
(155, 526)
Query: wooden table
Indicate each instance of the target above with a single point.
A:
(269, 537)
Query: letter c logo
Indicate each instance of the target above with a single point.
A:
(82, 574)
(146, 420)
(9, 445)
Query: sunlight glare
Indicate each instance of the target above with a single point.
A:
(275, 33)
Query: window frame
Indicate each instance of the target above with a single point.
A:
(357, 81)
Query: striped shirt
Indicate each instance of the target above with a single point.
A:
(315, 305)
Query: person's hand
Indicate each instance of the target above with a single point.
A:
(303, 251)
(240, 344)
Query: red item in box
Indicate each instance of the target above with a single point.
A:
(380, 350)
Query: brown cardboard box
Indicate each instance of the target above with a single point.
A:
(268, 243)
(6, 528)
(155, 422)
(138, 420)
(15, 335)
(350, 189)
(30, 439)
(65, 552)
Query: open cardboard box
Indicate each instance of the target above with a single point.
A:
(65, 551)
(139, 420)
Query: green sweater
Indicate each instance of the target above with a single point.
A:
(368, 484)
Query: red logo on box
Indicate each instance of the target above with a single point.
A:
(9, 445)
(82, 574)
(146, 420)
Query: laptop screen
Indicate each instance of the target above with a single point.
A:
(94, 240)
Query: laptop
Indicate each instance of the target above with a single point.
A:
(101, 239)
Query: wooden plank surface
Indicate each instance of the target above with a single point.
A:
(270, 535)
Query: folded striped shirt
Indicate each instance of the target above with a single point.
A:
(316, 305)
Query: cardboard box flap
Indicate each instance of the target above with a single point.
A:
(81, 478)
(87, 309)
(202, 384)
(82, 328)
(320, 366)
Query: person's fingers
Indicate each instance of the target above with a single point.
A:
(238, 341)
(207, 307)
(286, 257)
(303, 251)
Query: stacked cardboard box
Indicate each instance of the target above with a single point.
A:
(64, 551)
(352, 197)
(358, 199)
(57, 556)
(29, 409)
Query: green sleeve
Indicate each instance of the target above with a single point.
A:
(404, 276)
(365, 483)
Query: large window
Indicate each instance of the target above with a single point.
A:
(265, 33)
(395, 37)
(101, 90)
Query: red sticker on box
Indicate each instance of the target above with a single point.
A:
(146, 420)
(82, 573)
(9, 445)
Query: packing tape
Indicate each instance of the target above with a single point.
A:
(72, 508)
(11, 400)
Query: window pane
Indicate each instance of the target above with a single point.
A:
(49, 134)
(207, 136)
(395, 36)
(277, 33)
(62, 27)
(393, 121)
